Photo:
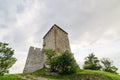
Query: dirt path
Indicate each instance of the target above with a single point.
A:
(39, 78)
(31, 77)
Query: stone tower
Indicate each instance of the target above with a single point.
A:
(56, 38)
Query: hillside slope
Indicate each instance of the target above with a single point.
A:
(80, 75)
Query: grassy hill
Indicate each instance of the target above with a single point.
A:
(10, 77)
(80, 75)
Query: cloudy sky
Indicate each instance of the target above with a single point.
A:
(93, 26)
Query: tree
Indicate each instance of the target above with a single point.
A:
(6, 59)
(108, 65)
(63, 63)
(51, 59)
(66, 63)
(92, 62)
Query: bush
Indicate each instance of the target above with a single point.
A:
(51, 59)
(63, 63)
(66, 63)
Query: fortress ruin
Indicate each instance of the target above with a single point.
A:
(56, 38)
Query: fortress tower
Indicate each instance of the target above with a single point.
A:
(56, 38)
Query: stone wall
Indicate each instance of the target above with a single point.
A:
(62, 41)
(35, 60)
(49, 40)
(56, 39)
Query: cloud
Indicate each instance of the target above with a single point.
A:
(19, 65)
(25, 23)
(93, 26)
(21, 28)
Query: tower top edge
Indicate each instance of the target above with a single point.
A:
(54, 27)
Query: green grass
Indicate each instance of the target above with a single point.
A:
(107, 75)
(9, 77)
(41, 73)
(80, 75)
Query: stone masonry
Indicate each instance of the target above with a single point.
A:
(56, 38)
(35, 60)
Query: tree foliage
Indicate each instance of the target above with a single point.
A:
(67, 63)
(92, 62)
(63, 63)
(51, 59)
(108, 65)
(6, 59)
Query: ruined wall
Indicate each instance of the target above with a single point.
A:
(35, 60)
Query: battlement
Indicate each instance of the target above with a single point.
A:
(35, 49)
(35, 60)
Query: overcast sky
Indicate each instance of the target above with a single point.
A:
(93, 26)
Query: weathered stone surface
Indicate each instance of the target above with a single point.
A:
(35, 60)
(56, 38)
